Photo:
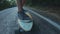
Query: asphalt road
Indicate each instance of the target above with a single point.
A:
(8, 23)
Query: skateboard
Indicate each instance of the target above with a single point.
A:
(26, 26)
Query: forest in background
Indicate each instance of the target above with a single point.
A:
(11, 3)
(44, 2)
(7, 4)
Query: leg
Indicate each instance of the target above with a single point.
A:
(23, 18)
(23, 2)
(20, 4)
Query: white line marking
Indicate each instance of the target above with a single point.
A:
(48, 20)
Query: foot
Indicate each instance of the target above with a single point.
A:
(22, 15)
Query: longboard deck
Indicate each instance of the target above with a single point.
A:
(26, 26)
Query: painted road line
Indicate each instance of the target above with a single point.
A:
(48, 20)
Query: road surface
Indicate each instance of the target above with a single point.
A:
(8, 23)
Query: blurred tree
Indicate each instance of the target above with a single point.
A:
(44, 2)
(7, 4)
(4, 4)
(29, 2)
